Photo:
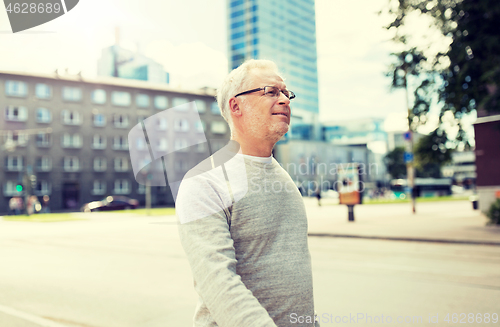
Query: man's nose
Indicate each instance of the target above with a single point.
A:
(283, 99)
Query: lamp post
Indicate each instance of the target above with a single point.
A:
(410, 169)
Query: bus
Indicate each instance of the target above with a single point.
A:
(424, 187)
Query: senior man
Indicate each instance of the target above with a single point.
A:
(246, 241)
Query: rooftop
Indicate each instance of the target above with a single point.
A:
(112, 81)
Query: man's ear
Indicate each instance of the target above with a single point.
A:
(234, 107)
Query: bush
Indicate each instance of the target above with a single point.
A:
(494, 213)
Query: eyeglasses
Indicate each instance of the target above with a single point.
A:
(271, 91)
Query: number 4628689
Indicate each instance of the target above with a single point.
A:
(463, 318)
(34, 8)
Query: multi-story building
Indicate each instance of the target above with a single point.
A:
(116, 61)
(315, 163)
(462, 168)
(283, 31)
(68, 135)
(355, 132)
(362, 133)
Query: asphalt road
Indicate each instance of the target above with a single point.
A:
(123, 271)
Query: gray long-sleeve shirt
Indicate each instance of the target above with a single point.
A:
(245, 235)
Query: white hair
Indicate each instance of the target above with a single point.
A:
(237, 81)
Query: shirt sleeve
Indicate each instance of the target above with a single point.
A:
(209, 248)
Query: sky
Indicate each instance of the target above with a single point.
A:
(189, 39)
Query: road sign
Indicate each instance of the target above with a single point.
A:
(408, 157)
(408, 136)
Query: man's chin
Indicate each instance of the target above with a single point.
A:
(281, 129)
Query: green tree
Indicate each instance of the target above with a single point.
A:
(412, 63)
(466, 76)
(394, 161)
(431, 153)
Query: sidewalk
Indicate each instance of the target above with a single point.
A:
(448, 222)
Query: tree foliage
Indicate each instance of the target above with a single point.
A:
(394, 161)
(431, 153)
(466, 76)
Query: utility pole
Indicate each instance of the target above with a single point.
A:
(148, 194)
(409, 156)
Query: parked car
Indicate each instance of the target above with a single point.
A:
(112, 202)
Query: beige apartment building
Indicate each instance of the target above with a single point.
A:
(67, 136)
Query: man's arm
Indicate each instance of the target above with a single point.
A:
(211, 254)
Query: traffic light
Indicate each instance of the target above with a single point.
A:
(19, 187)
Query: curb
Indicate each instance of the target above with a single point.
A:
(407, 239)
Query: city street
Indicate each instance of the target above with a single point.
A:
(122, 270)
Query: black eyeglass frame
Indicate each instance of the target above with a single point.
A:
(290, 97)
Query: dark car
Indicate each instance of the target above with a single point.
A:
(115, 202)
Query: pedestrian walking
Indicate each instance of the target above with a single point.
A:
(247, 247)
(318, 196)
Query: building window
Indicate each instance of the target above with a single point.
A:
(142, 100)
(43, 115)
(14, 138)
(218, 127)
(9, 189)
(121, 164)
(71, 117)
(16, 113)
(179, 101)
(214, 108)
(160, 102)
(98, 96)
(100, 164)
(16, 88)
(99, 187)
(201, 106)
(121, 186)
(180, 145)
(162, 124)
(120, 98)
(200, 126)
(43, 140)
(43, 163)
(200, 147)
(71, 164)
(181, 125)
(71, 141)
(99, 142)
(120, 143)
(99, 120)
(141, 189)
(71, 93)
(42, 188)
(120, 121)
(14, 163)
(180, 166)
(140, 144)
(162, 144)
(43, 91)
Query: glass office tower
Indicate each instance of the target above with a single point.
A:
(283, 31)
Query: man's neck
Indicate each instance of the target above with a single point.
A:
(254, 146)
